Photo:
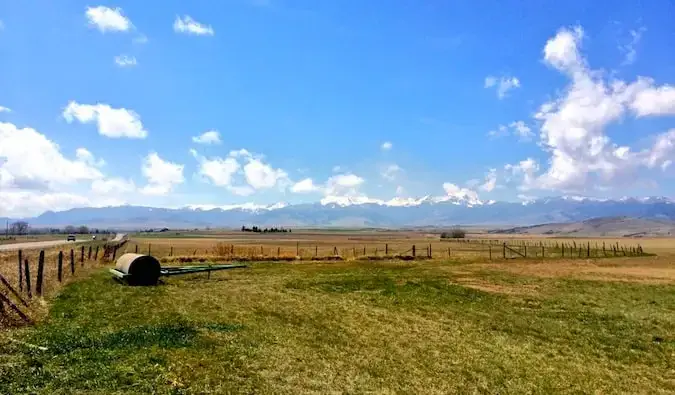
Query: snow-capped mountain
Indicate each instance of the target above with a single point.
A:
(364, 212)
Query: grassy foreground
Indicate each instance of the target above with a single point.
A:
(437, 327)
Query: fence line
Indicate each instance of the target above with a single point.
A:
(12, 297)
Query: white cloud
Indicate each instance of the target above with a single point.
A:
(111, 122)
(573, 126)
(24, 203)
(209, 137)
(262, 176)
(162, 175)
(343, 185)
(629, 50)
(29, 160)
(386, 146)
(112, 186)
(562, 51)
(87, 157)
(108, 19)
(125, 61)
(391, 171)
(654, 100)
(521, 130)
(455, 192)
(241, 163)
(503, 84)
(499, 132)
(187, 25)
(525, 171)
(304, 186)
(219, 171)
(490, 181)
(5, 109)
(517, 128)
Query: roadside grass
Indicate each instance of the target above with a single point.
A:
(350, 327)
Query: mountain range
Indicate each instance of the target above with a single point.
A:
(350, 212)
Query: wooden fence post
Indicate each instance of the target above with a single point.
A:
(59, 266)
(504, 252)
(136, 251)
(82, 256)
(96, 254)
(297, 248)
(40, 273)
(278, 251)
(171, 252)
(20, 272)
(429, 250)
(72, 261)
(588, 249)
(364, 251)
(489, 250)
(89, 254)
(149, 249)
(525, 251)
(413, 251)
(542, 252)
(27, 275)
(262, 252)
(115, 253)
(386, 249)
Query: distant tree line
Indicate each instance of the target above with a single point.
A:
(454, 234)
(19, 228)
(256, 229)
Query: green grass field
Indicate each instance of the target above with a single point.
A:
(355, 327)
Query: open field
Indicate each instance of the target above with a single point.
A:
(446, 325)
(351, 244)
(432, 327)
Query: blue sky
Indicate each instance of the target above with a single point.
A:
(478, 100)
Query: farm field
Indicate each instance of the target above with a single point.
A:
(444, 325)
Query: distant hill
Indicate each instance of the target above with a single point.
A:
(605, 226)
(655, 212)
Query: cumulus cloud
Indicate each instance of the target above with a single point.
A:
(107, 19)
(305, 186)
(503, 84)
(162, 175)
(523, 171)
(453, 191)
(111, 122)
(187, 25)
(125, 61)
(256, 174)
(209, 137)
(87, 157)
(5, 109)
(260, 175)
(386, 146)
(29, 160)
(574, 125)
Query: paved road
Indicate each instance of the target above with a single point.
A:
(47, 244)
